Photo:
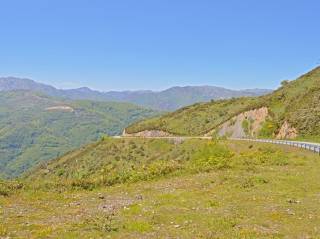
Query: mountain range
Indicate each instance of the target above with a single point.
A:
(167, 100)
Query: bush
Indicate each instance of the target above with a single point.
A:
(9, 187)
(284, 82)
(245, 127)
(263, 156)
(267, 130)
(212, 156)
(83, 184)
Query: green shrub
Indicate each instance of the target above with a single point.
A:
(212, 156)
(263, 156)
(252, 182)
(82, 184)
(268, 129)
(103, 223)
(246, 127)
(9, 187)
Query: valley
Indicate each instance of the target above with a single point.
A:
(35, 128)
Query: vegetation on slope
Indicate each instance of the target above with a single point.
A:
(296, 102)
(32, 131)
(168, 189)
(112, 161)
(197, 119)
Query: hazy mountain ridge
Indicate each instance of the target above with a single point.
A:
(167, 100)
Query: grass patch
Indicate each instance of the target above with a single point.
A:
(223, 189)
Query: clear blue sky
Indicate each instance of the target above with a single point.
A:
(154, 44)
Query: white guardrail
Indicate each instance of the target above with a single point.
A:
(314, 147)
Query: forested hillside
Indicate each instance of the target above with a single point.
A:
(36, 128)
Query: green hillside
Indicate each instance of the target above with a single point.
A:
(197, 119)
(36, 128)
(140, 188)
(113, 161)
(296, 102)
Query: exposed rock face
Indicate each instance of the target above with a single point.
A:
(60, 108)
(245, 124)
(287, 132)
(148, 133)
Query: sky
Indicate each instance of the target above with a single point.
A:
(156, 44)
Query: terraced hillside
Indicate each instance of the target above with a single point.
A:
(35, 128)
(147, 188)
(293, 111)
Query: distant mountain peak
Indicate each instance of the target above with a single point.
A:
(84, 89)
(13, 83)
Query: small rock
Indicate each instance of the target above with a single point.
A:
(139, 197)
(290, 212)
(293, 201)
(46, 171)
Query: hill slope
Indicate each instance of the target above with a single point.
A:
(140, 188)
(167, 100)
(293, 110)
(35, 128)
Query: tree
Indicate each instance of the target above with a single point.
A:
(284, 83)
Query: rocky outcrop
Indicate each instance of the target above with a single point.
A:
(60, 108)
(287, 132)
(147, 133)
(247, 124)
